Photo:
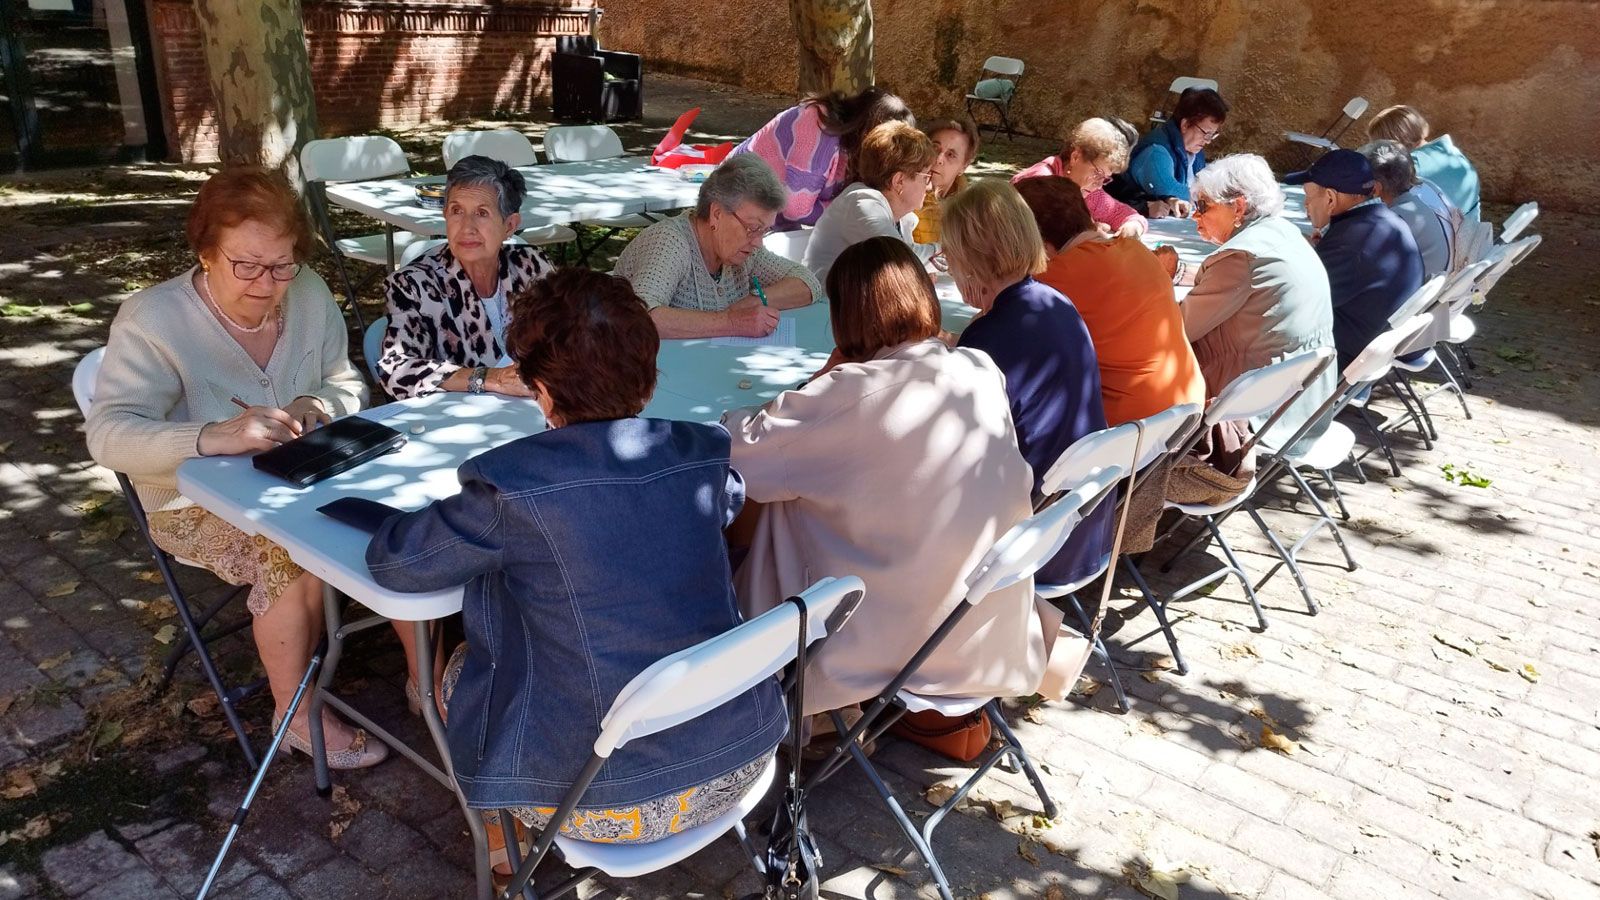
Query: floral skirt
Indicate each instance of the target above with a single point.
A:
(651, 820)
(194, 535)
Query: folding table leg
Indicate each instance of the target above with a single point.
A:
(331, 618)
(426, 642)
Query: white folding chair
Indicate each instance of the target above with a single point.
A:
(195, 637)
(674, 690)
(1329, 138)
(1015, 557)
(991, 90)
(1179, 85)
(1267, 393)
(790, 245)
(372, 347)
(1520, 219)
(1445, 309)
(586, 143)
(513, 148)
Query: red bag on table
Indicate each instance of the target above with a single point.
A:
(672, 152)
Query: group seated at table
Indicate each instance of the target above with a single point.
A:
(955, 146)
(705, 273)
(1437, 160)
(1095, 151)
(449, 308)
(813, 146)
(892, 178)
(1164, 162)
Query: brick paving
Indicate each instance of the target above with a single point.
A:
(1445, 701)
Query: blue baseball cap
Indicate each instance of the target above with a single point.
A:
(1345, 171)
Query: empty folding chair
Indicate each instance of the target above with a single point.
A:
(195, 638)
(513, 148)
(1329, 138)
(1179, 85)
(366, 158)
(1257, 395)
(675, 690)
(1501, 258)
(1014, 558)
(586, 143)
(1518, 221)
(997, 86)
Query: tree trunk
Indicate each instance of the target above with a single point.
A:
(835, 44)
(261, 80)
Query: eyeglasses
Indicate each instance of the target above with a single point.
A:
(751, 232)
(245, 270)
(1209, 135)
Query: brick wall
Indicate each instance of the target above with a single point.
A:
(380, 63)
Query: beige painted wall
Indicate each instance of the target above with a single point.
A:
(1515, 82)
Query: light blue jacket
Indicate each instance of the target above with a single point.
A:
(1161, 166)
(1441, 163)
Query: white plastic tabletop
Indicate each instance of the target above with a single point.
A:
(558, 194)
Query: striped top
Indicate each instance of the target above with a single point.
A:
(806, 159)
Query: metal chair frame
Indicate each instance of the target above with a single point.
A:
(1005, 67)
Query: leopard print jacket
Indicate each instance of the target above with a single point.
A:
(437, 323)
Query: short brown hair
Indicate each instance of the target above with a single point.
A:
(1058, 208)
(239, 194)
(890, 149)
(589, 339)
(1200, 103)
(1097, 140)
(1399, 123)
(963, 126)
(989, 233)
(879, 296)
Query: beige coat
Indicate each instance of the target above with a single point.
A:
(903, 470)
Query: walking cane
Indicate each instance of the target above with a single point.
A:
(261, 775)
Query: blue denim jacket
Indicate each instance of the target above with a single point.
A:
(589, 552)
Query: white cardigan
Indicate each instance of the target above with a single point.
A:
(170, 368)
(858, 213)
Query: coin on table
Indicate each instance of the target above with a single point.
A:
(744, 384)
(418, 428)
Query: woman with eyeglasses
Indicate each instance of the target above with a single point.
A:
(706, 273)
(249, 326)
(894, 171)
(1095, 151)
(1164, 162)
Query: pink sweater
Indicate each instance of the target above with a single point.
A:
(1102, 206)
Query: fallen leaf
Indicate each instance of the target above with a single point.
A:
(166, 633)
(1274, 741)
(1455, 643)
(1002, 809)
(1164, 661)
(1239, 651)
(1528, 672)
(107, 734)
(162, 608)
(1034, 715)
(62, 589)
(1087, 686)
(19, 785)
(149, 576)
(1158, 882)
(938, 794)
(55, 661)
(345, 808)
(1054, 892)
(887, 869)
(130, 603)
(1025, 850)
(1151, 677)
(204, 705)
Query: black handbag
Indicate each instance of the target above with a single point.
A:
(324, 452)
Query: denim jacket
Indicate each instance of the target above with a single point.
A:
(589, 552)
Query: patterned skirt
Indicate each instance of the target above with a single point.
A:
(194, 535)
(651, 820)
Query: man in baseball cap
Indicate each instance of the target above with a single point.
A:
(1372, 259)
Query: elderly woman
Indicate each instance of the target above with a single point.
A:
(1436, 160)
(894, 165)
(1095, 151)
(248, 322)
(955, 145)
(1433, 220)
(1167, 158)
(706, 274)
(1037, 339)
(622, 546)
(448, 308)
(1125, 297)
(897, 462)
(1263, 295)
(813, 146)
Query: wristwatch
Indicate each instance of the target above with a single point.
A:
(475, 380)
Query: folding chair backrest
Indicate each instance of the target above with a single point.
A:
(698, 679)
(1503, 258)
(1166, 431)
(1004, 66)
(1420, 300)
(1377, 358)
(1262, 392)
(1462, 286)
(1519, 219)
(372, 344)
(790, 245)
(1356, 108)
(1476, 239)
(1184, 82)
(507, 145)
(83, 379)
(1353, 110)
(581, 143)
(1034, 541)
(353, 159)
(1089, 455)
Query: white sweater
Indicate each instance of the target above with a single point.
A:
(170, 368)
(858, 213)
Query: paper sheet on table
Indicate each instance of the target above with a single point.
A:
(782, 336)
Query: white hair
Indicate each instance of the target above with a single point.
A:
(1241, 175)
(740, 178)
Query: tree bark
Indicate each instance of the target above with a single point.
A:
(261, 80)
(835, 44)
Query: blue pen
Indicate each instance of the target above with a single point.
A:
(755, 284)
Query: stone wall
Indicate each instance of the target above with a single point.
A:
(1516, 82)
(378, 63)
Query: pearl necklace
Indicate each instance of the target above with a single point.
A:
(205, 282)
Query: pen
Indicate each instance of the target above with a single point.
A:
(239, 403)
(755, 284)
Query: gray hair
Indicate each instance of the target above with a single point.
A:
(738, 179)
(1391, 165)
(1241, 175)
(482, 171)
